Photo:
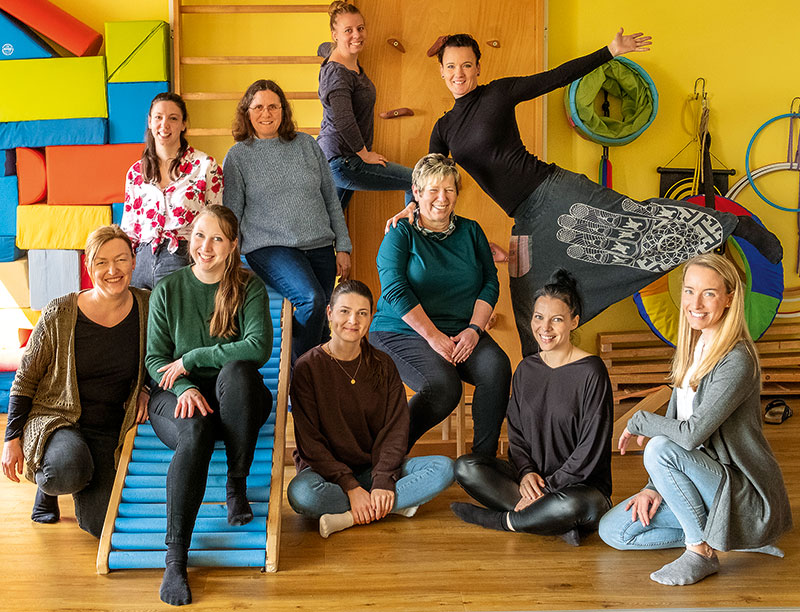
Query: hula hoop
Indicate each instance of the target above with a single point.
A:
(789, 165)
(763, 286)
(584, 130)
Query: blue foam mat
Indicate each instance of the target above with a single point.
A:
(53, 132)
(128, 105)
(9, 200)
(9, 250)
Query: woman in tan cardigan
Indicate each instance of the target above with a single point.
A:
(78, 388)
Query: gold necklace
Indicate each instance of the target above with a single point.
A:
(341, 367)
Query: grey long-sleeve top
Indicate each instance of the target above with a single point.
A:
(283, 194)
(751, 507)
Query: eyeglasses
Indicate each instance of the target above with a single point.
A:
(260, 108)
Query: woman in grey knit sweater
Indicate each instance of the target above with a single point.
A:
(714, 482)
(293, 232)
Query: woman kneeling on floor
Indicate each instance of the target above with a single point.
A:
(77, 391)
(714, 482)
(558, 477)
(209, 332)
(351, 427)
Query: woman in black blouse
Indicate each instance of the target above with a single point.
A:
(560, 416)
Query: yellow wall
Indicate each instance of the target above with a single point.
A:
(746, 52)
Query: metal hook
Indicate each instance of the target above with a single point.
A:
(791, 105)
(702, 91)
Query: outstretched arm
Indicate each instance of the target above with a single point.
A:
(629, 43)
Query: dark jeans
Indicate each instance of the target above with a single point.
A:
(241, 404)
(80, 462)
(351, 173)
(494, 483)
(152, 267)
(438, 385)
(306, 278)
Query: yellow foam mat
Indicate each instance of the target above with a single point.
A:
(40, 226)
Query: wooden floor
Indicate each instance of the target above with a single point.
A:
(429, 562)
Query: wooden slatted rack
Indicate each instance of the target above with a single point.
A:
(178, 10)
(639, 362)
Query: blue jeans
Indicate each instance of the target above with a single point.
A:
(351, 174)
(306, 278)
(152, 267)
(688, 482)
(421, 479)
(438, 385)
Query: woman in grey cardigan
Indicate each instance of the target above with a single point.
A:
(714, 482)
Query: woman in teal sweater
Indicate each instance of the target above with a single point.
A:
(209, 386)
(438, 288)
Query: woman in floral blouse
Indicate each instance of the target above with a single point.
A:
(164, 192)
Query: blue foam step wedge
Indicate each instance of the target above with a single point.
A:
(207, 541)
(127, 510)
(19, 42)
(213, 495)
(202, 525)
(154, 481)
(215, 468)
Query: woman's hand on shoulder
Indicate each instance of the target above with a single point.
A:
(141, 406)
(343, 265)
(382, 502)
(629, 43)
(407, 213)
(361, 506)
(465, 343)
(189, 401)
(625, 439)
(371, 157)
(13, 459)
(532, 487)
(644, 505)
(172, 371)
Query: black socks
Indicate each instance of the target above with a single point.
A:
(45, 508)
(469, 513)
(175, 584)
(760, 237)
(239, 511)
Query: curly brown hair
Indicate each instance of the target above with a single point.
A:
(242, 128)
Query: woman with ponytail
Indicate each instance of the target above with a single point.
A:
(557, 480)
(351, 427)
(209, 331)
(348, 112)
(714, 482)
(164, 192)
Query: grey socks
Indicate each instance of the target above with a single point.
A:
(175, 583)
(239, 511)
(689, 568)
(45, 508)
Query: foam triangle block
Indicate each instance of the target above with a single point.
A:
(137, 51)
(128, 105)
(78, 85)
(52, 273)
(40, 226)
(17, 41)
(31, 176)
(107, 165)
(56, 24)
(53, 132)
(9, 197)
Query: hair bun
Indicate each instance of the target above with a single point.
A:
(563, 278)
(337, 6)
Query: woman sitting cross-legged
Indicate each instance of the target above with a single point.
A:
(438, 288)
(714, 482)
(209, 332)
(558, 477)
(351, 426)
(77, 390)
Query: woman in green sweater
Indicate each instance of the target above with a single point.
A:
(209, 386)
(438, 288)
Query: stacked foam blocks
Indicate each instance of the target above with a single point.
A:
(71, 123)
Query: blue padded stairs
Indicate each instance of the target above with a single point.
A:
(135, 524)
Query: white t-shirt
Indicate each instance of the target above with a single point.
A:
(685, 392)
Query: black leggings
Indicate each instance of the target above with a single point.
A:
(241, 404)
(494, 483)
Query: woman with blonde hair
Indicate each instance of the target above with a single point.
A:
(209, 332)
(78, 389)
(348, 112)
(714, 483)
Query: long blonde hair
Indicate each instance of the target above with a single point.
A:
(231, 291)
(732, 327)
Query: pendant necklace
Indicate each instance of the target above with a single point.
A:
(341, 367)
